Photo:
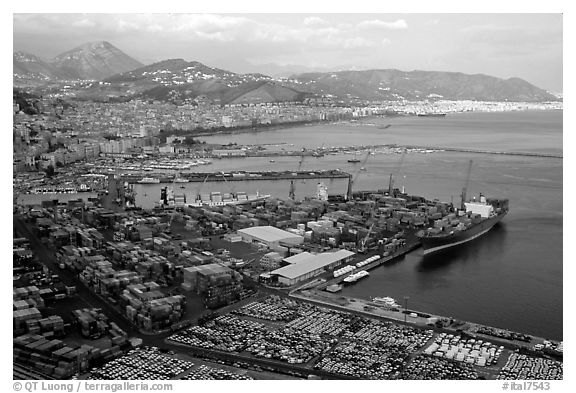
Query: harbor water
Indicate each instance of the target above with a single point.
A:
(510, 278)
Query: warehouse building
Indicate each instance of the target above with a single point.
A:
(303, 266)
(270, 236)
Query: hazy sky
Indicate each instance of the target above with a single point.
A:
(528, 46)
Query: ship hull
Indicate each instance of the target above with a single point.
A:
(232, 202)
(432, 244)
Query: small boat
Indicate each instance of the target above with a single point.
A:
(272, 161)
(386, 301)
(354, 160)
(334, 288)
(356, 276)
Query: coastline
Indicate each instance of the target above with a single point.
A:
(358, 120)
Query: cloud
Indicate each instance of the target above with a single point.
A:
(314, 21)
(483, 28)
(380, 24)
(512, 38)
(195, 36)
(84, 23)
(357, 42)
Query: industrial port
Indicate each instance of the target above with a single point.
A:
(299, 209)
(240, 291)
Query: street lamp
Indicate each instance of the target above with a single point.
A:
(406, 307)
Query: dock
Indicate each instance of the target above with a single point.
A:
(198, 177)
(401, 252)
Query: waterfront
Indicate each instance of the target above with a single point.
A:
(492, 281)
(528, 131)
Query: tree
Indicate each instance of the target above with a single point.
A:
(49, 170)
(189, 140)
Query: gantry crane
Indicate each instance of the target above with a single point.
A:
(353, 178)
(232, 187)
(292, 192)
(465, 189)
(395, 174)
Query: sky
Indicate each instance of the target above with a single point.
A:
(528, 46)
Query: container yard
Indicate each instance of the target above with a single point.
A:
(158, 272)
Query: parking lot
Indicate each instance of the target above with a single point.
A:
(528, 367)
(340, 344)
(144, 363)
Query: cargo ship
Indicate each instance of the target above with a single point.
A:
(217, 199)
(351, 279)
(474, 219)
(169, 198)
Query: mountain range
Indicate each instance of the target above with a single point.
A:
(116, 74)
(91, 61)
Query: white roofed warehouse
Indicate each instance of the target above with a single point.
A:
(305, 266)
(270, 236)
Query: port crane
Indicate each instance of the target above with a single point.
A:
(174, 213)
(232, 187)
(465, 188)
(362, 248)
(292, 192)
(200, 188)
(353, 178)
(395, 174)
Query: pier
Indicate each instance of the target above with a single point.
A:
(323, 151)
(242, 176)
(401, 252)
(478, 151)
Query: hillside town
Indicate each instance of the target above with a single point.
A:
(64, 132)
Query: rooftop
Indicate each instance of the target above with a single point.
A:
(212, 268)
(313, 262)
(269, 233)
(299, 258)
